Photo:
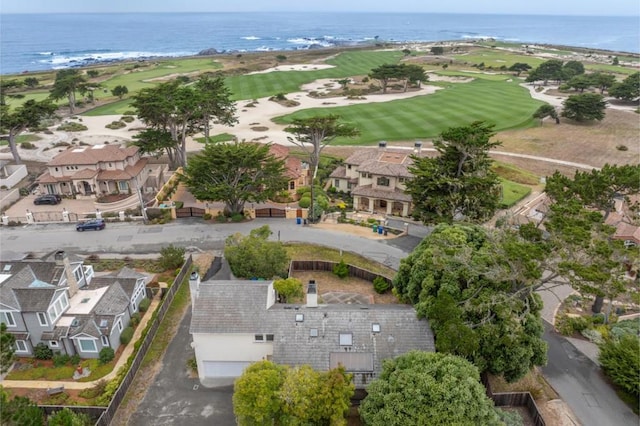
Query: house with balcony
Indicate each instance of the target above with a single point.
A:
(95, 170)
(376, 179)
(236, 323)
(60, 302)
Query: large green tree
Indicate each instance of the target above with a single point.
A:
(544, 111)
(602, 80)
(235, 173)
(67, 82)
(458, 184)
(548, 70)
(584, 107)
(386, 73)
(313, 134)
(7, 349)
(628, 89)
(255, 256)
(67, 417)
(175, 110)
(268, 394)
(422, 388)
(519, 67)
(16, 121)
(477, 288)
(19, 411)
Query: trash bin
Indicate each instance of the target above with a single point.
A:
(375, 228)
(380, 229)
(385, 230)
(305, 221)
(298, 220)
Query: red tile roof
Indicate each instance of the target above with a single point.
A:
(93, 155)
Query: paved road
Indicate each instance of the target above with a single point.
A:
(581, 384)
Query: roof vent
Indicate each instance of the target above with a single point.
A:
(382, 145)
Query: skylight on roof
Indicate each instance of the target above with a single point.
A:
(85, 300)
(7, 268)
(78, 150)
(299, 317)
(375, 327)
(103, 323)
(313, 332)
(346, 339)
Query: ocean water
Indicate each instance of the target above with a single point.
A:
(32, 42)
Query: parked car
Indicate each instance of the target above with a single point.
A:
(47, 199)
(95, 224)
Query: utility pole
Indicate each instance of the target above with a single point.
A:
(142, 207)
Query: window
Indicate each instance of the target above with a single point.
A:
(375, 327)
(365, 175)
(123, 185)
(42, 319)
(402, 180)
(299, 317)
(269, 337)
(292, 185)
(7, 318)
(105, 340)
(77, 273)
(336, 183)
(349, 166)
(346, 339)
(383, 181)
(87, 345)
(259, 338)
(119, 325)
(53, 344)
(21, 346)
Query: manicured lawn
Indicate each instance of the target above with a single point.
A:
(497, 58)
(610, 68)
(346, 64)
(304, 251)
(114, 108)
(477, 75)
(222, 137)
(505, 104)
(513, 192)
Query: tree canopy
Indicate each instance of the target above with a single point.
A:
(235, 173)
(173, 111)
(519, 67)
(254, 256)
(477, 289)
(406, 72)
(458, 184)
(422, 388)
(7, 349)
(628, 89)
(27, 115)
(67, 82)
(548, 70)
(289, 289)
(584, 107)
(267, 393)
(544, 111)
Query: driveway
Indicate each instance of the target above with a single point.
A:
(176, 399)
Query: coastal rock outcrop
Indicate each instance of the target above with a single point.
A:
(208, 52)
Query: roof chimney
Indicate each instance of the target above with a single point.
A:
(72, 282)
(312, 294)
(382, 145)
(417, 147)
(194, 286)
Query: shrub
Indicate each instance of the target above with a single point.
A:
(75, 359)
(126, 336)
(59, 360)
(304, 202)
(568, 326)
(144, 305)
(341, 269)
(620, 360)
(192, 363)
(24, 192)
(171, 257)
(593, 335)
(127, 118)
(221, 218)
(42, 351)
(207, 216)
(237, 217)
(107, 354)
(72, 127)
(619, 148)
(510, 418)
(135, 320)
(116, 125)
(380, 285)
(27, 145)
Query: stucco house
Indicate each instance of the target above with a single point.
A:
(60, 302)
(296, 171)
(235, 323)
(376, 179)
(95, 170)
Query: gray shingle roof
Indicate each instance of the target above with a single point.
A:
(113, 302)
(34, 299)
(369, 191)
(240, 307)
(128, 285)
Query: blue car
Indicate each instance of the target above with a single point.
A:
(95, 224)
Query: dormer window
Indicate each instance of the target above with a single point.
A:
(383, 181)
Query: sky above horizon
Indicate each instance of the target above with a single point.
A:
(524, 7)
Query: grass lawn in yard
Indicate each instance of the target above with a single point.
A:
(512, 192)
(505, 104)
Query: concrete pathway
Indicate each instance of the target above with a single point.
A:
(124, 356)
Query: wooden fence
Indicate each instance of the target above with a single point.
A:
(322, 265)
(514, 399)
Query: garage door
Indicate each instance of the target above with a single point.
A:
(224, 368)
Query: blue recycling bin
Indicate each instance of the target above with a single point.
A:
(380, 228)
(298, 221)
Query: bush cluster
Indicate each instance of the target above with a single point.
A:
(42, 351)
(380, 285)
(126, 336)
(106, 355)
(144, 305)
(341, 270)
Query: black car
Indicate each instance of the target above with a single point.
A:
(95, 224)
(47, 199)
